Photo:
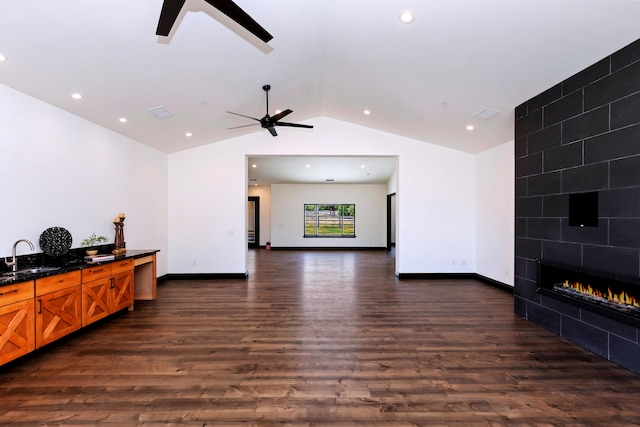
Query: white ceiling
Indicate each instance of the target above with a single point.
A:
(331, 58)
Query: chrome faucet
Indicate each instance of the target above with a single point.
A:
(14, 262)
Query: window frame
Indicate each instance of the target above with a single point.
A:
(315, 224)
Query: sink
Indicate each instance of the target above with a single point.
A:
(34, 270)
(27, 271)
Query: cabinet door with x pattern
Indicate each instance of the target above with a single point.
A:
(95, 300)
(17, 329)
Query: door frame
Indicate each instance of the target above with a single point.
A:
(256, 220)
(390, 201)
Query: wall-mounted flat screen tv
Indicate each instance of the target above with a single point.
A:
(583, 209)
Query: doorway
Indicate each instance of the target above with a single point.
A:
(253, 222)
(391, 221)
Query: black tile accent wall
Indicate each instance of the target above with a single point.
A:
(582, 134)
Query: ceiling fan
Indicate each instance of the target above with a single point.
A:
(270, 122)
(171, 10)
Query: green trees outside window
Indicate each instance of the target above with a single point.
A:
(329, 220)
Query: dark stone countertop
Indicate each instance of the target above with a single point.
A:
(71, 262)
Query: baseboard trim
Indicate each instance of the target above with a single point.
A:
(455, 276)
(203, 276)
(329, 248)
(495, 283)
(401, 276)
(435, 276)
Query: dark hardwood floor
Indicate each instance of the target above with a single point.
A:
(319, 338)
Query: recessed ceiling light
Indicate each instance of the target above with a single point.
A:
(254, 165)
(2, 57)
(366, 112)
(407, 17)
(76, 96)
(188, 134)
(470, 127)
(362, 166)
(123, 120)
(307, 166)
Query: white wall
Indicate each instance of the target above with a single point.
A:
(495, 213)
(435, 186)
(287, 209)
(436, 211)
(58, 169)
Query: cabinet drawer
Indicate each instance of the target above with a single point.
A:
(120, 266)
(56, 282)
(96, 272)
(16, 292)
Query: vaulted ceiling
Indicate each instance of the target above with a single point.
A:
(334, 58)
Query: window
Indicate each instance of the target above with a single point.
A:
(329, 220)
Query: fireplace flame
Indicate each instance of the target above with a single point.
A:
(621, 298)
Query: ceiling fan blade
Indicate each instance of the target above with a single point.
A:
(273, 131)
(234, 12)
(168, 15)
(244, 126)
(293, 125)
(281, 115)
(242, 115)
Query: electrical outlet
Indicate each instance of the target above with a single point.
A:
(463, 262)
(194, 262)
(453, 262)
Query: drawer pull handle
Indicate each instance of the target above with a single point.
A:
(39, 305)
(9, 292)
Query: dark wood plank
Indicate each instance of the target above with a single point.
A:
(319, 338)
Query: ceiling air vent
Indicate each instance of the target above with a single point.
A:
(329, 179)
(253, 179)
(160, 112)
(485, 114)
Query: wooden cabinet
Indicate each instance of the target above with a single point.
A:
(17, 330)
(34, 313)
(58, 304)
(106, 289)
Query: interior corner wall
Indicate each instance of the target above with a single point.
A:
(495, 213)
(60, 170)
(288, 214)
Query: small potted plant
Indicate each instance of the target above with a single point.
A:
(91, 241)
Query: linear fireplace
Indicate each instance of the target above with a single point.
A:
(608, 294)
